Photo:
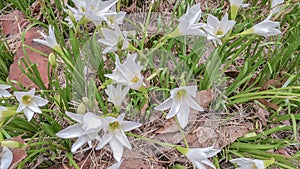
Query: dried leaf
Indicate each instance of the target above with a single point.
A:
(170, 126)
(205, 97)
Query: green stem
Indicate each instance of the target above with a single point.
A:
(182, 133)
(151, 140)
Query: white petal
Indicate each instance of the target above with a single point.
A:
(4, 93)
(191, 102)
(213, 21)
(259, 164)
(71, 131)
(79, 142)
(199, 165)
(128, 125)
(34, 108)
(91, 122)
(122, 138)
(28, 113)
(183, 115)
(241, 161)
(107, 137)
(120, 117)
(19, 95)
(117, 149)
(164, 105)
(40, 101)
(191, 90)
(31, 92)
(21, 107)
(209, 163)
(6, 158)
(76, 117)
(174, 110)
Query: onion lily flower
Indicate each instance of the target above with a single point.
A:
(188, 23)
(116, 165)
(92, 10)
(86, 129)
(180, 103)
(50, 40)
(114, 40)
(3, 90)
(247, 163)
(115, 129)
(265, 28)
(6, 157)
(199, 156)
(216, 29)
(29, 103)
(128, 73)
(97, 10)
(116, 95)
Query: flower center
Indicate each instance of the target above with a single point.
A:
(26, 99)
(219, 32)
(135, 79)
(114, 125)
(180, 94)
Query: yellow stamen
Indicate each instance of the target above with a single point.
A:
(26, 99)
(114, 125)
(135, 79)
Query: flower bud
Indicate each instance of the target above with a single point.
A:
(12, 144)
(52, 59)
(85, 100)
(81, 109)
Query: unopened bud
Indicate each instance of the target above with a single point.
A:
(81, 109)
(52, 59)
(85, 100)
(12, 144)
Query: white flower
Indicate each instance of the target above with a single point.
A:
(180, 102)
(188, 23)
(3, 90)
(265, 28)
(114, 40)
(276, 5)
(29, 103)
(128, 73)
(50, 40)
(86, 129)
(97, 10)
(116, 165)
(216, 29)
(6, 157)
(115, 19)
(114, 129)
(199, 156)
(116, 95)
(247, 163)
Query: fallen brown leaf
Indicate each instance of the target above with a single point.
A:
(205, 97)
